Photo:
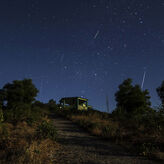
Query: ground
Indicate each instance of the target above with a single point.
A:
(78, 147)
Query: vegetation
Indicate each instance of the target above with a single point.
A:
(131, 99)
(160, 91)
(27, 135)
(20, 91)
(133, 124)
(46, 130)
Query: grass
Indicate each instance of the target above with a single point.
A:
(97, 126)
(28, 142)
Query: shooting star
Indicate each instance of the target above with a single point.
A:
(96, 35)
(143, 81)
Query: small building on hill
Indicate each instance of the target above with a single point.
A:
(74, 103)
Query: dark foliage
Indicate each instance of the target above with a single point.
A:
(52, 105)
(160, 91)
(19, 112)
(46, 130)
(131, 98)
(19, 91)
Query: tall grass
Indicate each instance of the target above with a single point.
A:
(27, 136)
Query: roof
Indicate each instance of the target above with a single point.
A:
(69, 98)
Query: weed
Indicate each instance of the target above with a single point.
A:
(147, 149)
(46, 130)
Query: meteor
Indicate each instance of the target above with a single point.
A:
(143, 80)
(96, 35)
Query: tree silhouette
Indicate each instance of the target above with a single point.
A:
(160, 92)
(52, 104)
(19, 91)
(130, 98)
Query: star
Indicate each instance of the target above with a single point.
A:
(95, 74)
(65, 67)
(125, 45)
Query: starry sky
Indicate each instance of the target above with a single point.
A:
(82, 47)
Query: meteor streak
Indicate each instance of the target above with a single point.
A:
(96, 35)
(143, 81)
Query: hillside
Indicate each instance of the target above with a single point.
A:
(36, 132)
(79, 147)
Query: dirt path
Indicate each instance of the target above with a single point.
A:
(78, 147)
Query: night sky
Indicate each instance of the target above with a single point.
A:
(82, 47)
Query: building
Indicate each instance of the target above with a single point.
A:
(74, 103)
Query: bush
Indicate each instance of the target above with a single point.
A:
(52, 105)
(46, 130)
(110, 130)
(36, 114)
(19, 112)
(147, 149)
(24, 112)
(18, 145)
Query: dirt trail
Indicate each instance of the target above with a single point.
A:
(78, 147)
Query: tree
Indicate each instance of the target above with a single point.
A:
(19, 91)
(52, 104)
(131, 98)
(2, 97)
(39, 104)
(160, 92)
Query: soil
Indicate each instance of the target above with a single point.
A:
(79, 147)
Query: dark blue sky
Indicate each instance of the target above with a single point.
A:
(82, 47)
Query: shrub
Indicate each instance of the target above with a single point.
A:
(147, 149)
(46, 130)
(36, 114)
(19, 112)
(110, 130)
(52, 105)
(18, 145)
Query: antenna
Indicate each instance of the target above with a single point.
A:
(107, 103)
(143, 80)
